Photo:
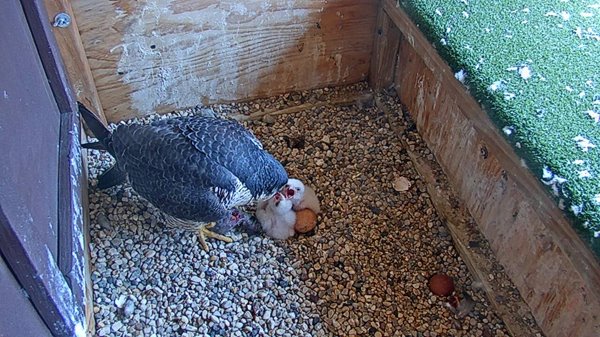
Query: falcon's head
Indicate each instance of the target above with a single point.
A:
(234, 219)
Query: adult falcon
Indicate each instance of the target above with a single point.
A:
(196, 170)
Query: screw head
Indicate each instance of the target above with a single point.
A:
(62, 20)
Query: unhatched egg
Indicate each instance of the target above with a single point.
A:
(306, 220)
(441, 284)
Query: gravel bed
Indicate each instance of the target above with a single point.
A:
(362, 272)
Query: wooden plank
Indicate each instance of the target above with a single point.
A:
(74, 58)
(17, 309)
(555, 272)
(385, 52)
(90, 322)
(72, 186)
(480, 260)
(49, 52)
(160, 55)
(29, 174)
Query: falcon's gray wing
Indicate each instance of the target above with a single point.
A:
(165, 168)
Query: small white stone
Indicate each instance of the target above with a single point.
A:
(116, 326)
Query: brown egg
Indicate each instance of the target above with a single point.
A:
(306, 220)
(441, 285)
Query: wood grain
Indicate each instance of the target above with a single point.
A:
(385, 52)
(160, 55)
(555, 272)
(74, 57)
(464, 231)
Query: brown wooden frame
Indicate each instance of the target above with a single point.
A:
(556, 273)
(57, 292)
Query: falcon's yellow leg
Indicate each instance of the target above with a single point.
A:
(204, 232)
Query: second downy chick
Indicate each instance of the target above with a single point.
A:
(302, 196)
(276, 217)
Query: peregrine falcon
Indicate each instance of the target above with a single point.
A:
(196, 170)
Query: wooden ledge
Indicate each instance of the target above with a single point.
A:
(556, 273)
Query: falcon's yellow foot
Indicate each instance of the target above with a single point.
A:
(204, 232)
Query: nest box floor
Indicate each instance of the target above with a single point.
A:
(362, 272)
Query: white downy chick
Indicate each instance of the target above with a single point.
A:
(302, 196)
(277, 218)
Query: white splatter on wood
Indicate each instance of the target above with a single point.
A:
(63, 295)
(160, 55)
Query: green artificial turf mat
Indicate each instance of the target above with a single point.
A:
(535, 67)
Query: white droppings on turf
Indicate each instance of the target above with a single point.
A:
(588, 33)
(508, 130)
(547, 174)
(578, 162)
(540, 112)
(552, 180)
(577, 209)
(522, 69)
(461, 75)
(593, 115)
(509, 95)
(585, 174)
(500, 84)
(584, 143)
(525, 72)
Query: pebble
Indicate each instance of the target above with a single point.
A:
(362, 272)
(116, 326)
(129, 308)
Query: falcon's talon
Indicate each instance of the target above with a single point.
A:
(204, 232)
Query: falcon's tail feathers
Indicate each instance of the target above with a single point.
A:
(97, 127)
(94, 146)
(111, 177)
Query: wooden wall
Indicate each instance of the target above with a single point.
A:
(160, 55)
(555, 272)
